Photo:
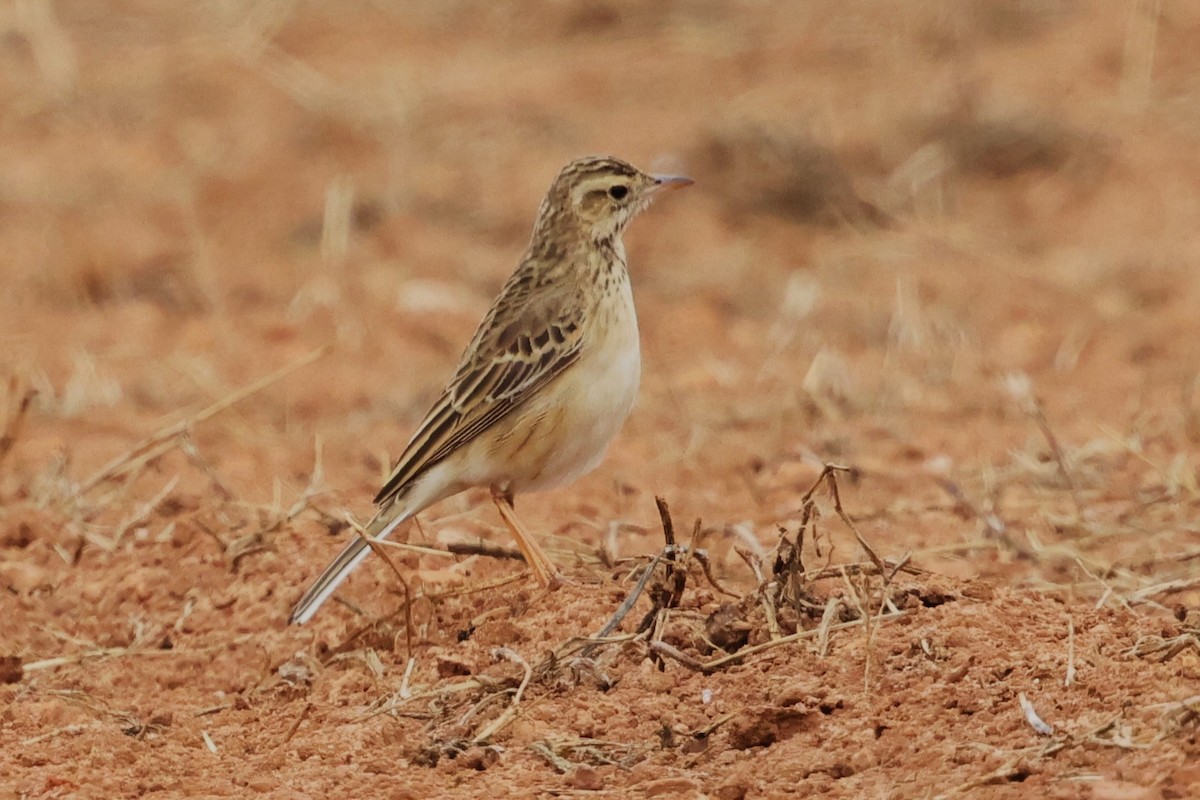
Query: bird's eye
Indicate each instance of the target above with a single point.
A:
(618, 192)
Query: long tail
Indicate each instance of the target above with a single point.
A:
(351, 556)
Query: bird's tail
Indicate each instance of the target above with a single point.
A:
(380, 527)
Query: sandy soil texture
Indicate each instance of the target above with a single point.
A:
(953, 248)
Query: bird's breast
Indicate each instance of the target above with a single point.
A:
(589, 402)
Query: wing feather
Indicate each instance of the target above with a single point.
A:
(526, 340)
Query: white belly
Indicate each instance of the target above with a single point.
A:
(602, 387)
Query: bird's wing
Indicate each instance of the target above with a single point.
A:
(530, 335)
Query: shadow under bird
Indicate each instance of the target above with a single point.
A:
(547, 380)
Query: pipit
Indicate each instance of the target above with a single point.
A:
(547, 380)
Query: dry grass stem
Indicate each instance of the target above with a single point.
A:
(559, 751)
(1031, 716)
(404, 692)
(558, 762)
(189, 449)
(1153, 645)
(416, 548)
(833, 607)
(71, 730)
(1020, 387)
(391, 704)
(295, 726)
(510, 713)
(92, 654)
(631, 599)
(485, 550)
(708, 667)
(1001, 774)
(1144, 594)
(166, 438)
(405, 608)
(373, 543)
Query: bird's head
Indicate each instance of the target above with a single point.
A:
(600, 194)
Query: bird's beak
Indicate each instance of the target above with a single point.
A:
(662, 182)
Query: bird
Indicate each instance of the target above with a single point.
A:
(545, 383)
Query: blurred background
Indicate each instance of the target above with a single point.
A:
(915, 227)
(950, 244)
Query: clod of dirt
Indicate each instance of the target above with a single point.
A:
(586, 779)
(23, 578)
(429, 755)
(979, 590)
(728, 628)
(923, 596)
(448, 667)
(760, 726)
(496, 632)
(479, 758)
(1181, 781)
(11, 669)
(19, 537)
(800, 696)
(957, 673)
(732, 791)
(671, 787)
(296, 674)
(162, 720)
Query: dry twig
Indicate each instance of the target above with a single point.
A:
(510, 713)
(372, 543)
(709, 667)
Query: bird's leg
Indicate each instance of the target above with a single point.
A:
(543, 569)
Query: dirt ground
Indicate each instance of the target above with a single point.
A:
(952, 247)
